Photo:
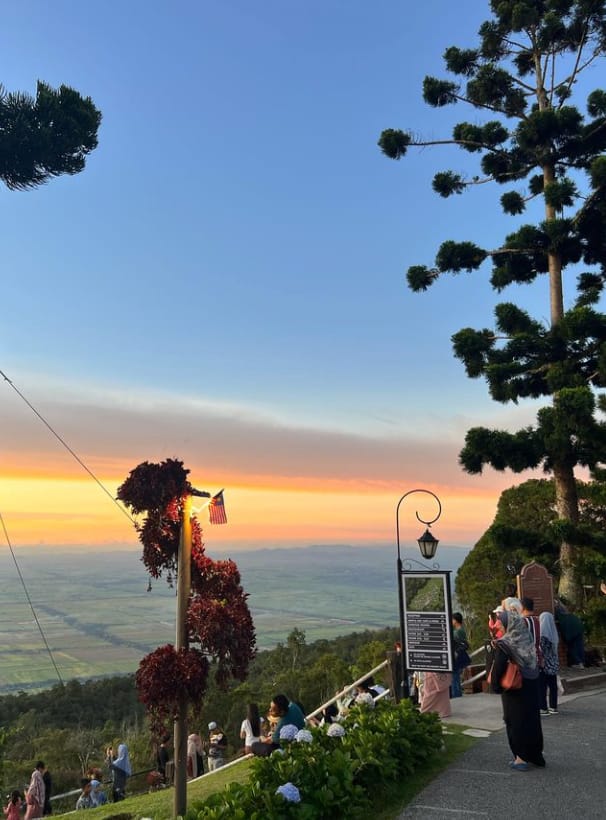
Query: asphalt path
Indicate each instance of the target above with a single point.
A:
(481, 786)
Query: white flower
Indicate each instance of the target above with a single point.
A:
(288, 732)
(289, 792)
(365, 699)
(304, 736)
(335, 730)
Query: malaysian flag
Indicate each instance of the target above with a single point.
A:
(216, 509)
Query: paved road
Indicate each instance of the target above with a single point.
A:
(480, 785)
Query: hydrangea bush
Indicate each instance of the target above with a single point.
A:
(337, 774)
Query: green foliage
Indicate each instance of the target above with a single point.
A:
(336, 777)
(394, 143)
(527, 528)
(513, 203)
(447, 183)
(458, 256)
(439, 93)
(45, 136)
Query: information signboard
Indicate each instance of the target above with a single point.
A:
(427, 621)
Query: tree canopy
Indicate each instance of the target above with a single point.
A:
(45, 136)
(550, 155)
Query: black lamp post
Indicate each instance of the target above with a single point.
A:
(428, 545)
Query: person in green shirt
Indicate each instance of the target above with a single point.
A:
(288, 713)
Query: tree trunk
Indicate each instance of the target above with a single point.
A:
(567, 505)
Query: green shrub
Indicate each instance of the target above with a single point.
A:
(335, 776)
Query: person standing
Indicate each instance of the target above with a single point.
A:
(520, 706)
(434, 695)
(461, 655)
(120, 770)
(195, 758)
(48, 789)
(217, 747)
(571, 627)
(548, 677)
(163, 756)
(34, 797)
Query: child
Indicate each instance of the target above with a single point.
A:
(13, 809)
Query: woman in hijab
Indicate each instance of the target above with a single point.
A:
(520, 706)
(120, 769)
(548, 677)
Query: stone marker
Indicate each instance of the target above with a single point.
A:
(535, 582)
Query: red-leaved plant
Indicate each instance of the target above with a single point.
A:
(220, 630)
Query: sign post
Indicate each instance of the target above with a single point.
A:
(426, 616)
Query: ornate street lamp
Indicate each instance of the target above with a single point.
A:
(428, 545)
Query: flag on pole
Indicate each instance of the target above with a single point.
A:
(216, 509)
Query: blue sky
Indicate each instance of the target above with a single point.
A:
(224, 283)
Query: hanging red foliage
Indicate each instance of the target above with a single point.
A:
(165, 674)
(219, 624)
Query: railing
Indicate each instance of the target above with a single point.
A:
(480, 674)
(237, 760)
(346, 689)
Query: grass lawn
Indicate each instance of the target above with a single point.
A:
(159, 805)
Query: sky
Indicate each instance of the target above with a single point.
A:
(225, 281)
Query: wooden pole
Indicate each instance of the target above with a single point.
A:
(183, 593)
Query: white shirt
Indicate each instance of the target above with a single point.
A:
(247, 729)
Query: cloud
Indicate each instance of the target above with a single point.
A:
(113, 431)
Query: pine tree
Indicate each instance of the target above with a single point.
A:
(45, 136)
(551, 157)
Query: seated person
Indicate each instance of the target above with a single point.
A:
(327, 716)
(97, 795)
(85, 800)
(287, 712)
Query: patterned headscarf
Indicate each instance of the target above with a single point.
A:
(518, 643)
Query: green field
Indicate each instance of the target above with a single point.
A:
(99, 619)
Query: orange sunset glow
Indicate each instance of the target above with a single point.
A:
(75, 511)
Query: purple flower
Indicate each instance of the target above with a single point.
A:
(335, 730)
(304, 736)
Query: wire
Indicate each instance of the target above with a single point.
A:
(122, 509)
(29, 600)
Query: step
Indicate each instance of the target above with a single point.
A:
(575, 680)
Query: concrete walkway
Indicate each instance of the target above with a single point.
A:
(481, 786)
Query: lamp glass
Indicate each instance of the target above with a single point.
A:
(428, 544)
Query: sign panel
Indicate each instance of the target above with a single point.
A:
(427, 621)
(535, 582)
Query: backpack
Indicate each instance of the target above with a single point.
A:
(534, 627)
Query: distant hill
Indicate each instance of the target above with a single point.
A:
(99, 619)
